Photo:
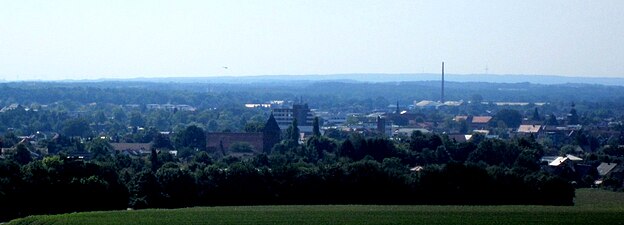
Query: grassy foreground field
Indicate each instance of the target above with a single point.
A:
(592, 207)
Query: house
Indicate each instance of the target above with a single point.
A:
(417, 169)
(561, 160)
(132, 106)
(31, 146)
(558, 161)
(528, 130)
(475, 122)
(152, 106)
(531, 129)
(222, 142)
(460, 118)
(460, 138)
(480, 122)
(185, 108)
(13, 106)
(134, 149)
(405, 118)
(613, 170)
(568, 166)
(79, 156)
(560, 134)
(408, 131)
(168, 107)
(605, 168)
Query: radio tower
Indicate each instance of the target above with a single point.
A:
(442, 96)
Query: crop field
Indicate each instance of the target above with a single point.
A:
(592, 207)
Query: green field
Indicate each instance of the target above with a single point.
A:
(592, 207)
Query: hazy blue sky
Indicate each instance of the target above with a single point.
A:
(121, 38)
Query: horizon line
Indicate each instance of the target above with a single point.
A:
(220, 76)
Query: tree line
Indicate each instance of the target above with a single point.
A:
(420, 169)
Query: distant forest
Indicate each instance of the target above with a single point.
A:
(323, 94)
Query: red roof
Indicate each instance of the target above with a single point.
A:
(458, 118)
(481, 119)
(215, 140)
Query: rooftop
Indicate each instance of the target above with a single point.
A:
(529, 128)
(481, 119)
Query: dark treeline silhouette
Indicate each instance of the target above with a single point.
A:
(357, 170)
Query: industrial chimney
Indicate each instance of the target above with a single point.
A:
(442, 96)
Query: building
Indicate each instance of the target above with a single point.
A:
(271, 134)
(407, 132)
(530, 129)
(560, 134)
(134, 149)
(460, 138)
(475, 122)
(427, 104)
(13, 106)
(185, 108)
(480, 122)
(222, 143)
(605, 168)
(301, 112)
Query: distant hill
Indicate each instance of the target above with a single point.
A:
(492, 78)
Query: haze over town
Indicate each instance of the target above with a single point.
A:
(57, 40)
(317, 112)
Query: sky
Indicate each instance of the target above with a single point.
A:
(84, 39)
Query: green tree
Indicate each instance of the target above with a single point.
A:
(21, 155)
(476, 99)
(241, 147)
(511, 117)
(573, 117)
(77, 128)
(495, 152)
(552, 120)
(316, 131)
(99, 148)
(536, 115)
(213, 126)
(136, 119)
(154, 162)
(293, 131)
(192, 137)
(119, 115)
(9, 140)
(254, 127)
(161, 141)
(144, 190)
(202, 157)
(463, 126)
(99, 117)
(177, 186)
(347, 149)
(321, 144)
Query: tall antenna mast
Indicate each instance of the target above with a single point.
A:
(442, 96)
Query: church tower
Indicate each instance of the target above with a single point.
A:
(271, 134)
